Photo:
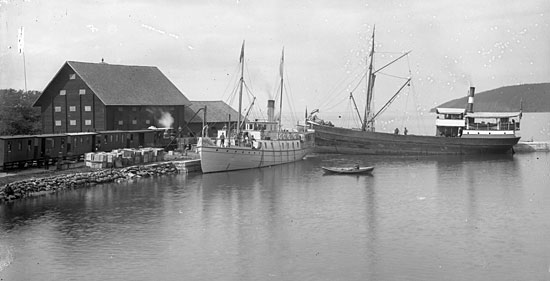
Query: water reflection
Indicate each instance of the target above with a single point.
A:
(371, 251)
(415, 218)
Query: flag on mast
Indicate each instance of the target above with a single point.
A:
(282, 62)
(242, 53)
(21, 40)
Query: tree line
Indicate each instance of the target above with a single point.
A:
(17, 115)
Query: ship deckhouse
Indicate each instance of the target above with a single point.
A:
(491, 124)
(456, 122)
(450, 121)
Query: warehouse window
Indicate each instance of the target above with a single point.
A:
(82, 92)
(134, 108)
(72, 122)
(147, 121)
(19, 145)
(62, 143)
(62, 92)
(88, 122)
(58, 122)
(72, 76)
(29, 145)
(58, 109)
(87, 108)
(72, 108)
(9, 146)
(120, 122)
(120, 109)
(134, 122)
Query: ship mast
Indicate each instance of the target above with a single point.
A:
(281, 99)
(240, 90)
(370, 85)
(368, 120)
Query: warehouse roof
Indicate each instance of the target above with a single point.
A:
(126, 84)
(216, 111)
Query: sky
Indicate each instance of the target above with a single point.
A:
(196, 44)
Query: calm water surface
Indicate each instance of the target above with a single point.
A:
(444, 218)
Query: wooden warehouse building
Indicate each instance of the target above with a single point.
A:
(218, 115)
(87, 97)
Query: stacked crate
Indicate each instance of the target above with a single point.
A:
(97, 160)
(119, 158)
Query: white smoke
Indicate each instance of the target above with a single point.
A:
(166, 120)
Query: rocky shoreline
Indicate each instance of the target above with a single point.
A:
(39, 186)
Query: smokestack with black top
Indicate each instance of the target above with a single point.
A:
(270, 110)
(470, 108)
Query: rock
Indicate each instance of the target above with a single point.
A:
(35, 187)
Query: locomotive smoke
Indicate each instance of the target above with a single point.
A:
(166, 120)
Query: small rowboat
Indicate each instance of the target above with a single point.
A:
(348, 170)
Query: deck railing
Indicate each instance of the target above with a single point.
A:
(494, 127)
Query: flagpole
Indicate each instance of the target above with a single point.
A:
(21, 44)
(25, 71)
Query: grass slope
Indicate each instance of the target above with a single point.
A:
(535, 97)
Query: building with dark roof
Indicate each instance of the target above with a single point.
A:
(218, 115)
(85, 97)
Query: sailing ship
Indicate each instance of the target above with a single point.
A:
(458, 131)
(254, 144)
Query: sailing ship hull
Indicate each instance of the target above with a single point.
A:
(348, 141)
(272, 152)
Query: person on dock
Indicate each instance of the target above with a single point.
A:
(222, 140)
(405, 131)
(396, 131)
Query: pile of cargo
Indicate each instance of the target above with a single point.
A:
(119, 158)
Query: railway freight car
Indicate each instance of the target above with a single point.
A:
(23, 151)
(19, 151)
(53, 147)
(109, 140)
(79, 144)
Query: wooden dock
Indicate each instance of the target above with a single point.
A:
(187, 166)
(532, 146)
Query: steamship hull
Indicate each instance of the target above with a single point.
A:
(348, 141)
(271, 152)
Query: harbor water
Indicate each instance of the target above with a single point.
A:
(413, 218)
